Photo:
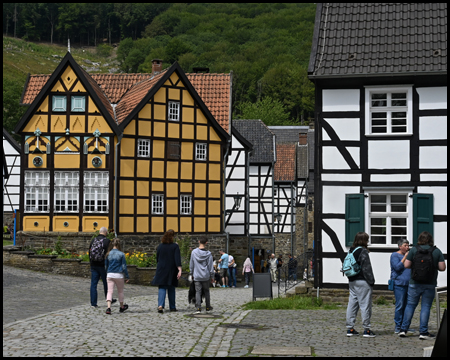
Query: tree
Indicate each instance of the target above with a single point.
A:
(271, 112)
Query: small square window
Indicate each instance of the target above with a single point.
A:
(143, 148)
(78, 103)
(200, 151)
(186, 205)
(59, 103)
(174, 111)
(158, 204)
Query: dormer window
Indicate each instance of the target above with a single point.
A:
(78, 104)
(59, 103)
(174, 111)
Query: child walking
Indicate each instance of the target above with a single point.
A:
(116, 272)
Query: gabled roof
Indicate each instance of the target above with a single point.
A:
(354, 39)
(285, 165)
(261, 137)
(214, 89)
(245, 143)
(135, 99)
(91, 87)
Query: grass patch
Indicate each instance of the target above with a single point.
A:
(290, 303)
(7, 242)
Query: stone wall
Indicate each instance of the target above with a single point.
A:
(12, 256)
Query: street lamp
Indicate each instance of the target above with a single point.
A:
(278, 217)
(237, 203)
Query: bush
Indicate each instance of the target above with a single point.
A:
(104, 50)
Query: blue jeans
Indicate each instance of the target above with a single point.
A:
(401, 294)
(97, 273)
(415, 291)
(232, 277)
(170, 289)
(293, 274)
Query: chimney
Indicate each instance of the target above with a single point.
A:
(302, 139)
(156, 66)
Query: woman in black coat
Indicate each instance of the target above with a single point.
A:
(168, 270)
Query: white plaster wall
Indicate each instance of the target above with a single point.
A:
(338, 226)
(333, 201)
(390, 177)
(332, 158)
(388, 154)
(340, 100)
(346, 129)
(433, 177)
(433, 157)
(433, 128)
(234, 187)
(331, 272)
(432, 98)
(440, 236)
(341, 177)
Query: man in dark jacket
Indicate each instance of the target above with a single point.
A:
(98, 270)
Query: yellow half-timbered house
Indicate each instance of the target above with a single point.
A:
(144, 161)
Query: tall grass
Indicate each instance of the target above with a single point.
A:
(291, 303)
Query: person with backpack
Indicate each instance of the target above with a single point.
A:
(400, 276)
(202, 271)
(116, 272)
(358, 269)
(97, 250)
(424, 260)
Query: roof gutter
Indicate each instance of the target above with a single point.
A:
(365, 75)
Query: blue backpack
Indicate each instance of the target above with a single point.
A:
(350, 267)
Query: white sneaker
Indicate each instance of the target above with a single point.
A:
(214, 284)
(246, 286)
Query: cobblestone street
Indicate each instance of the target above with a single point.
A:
(50, 315)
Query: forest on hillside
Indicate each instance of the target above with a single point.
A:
(266, 46)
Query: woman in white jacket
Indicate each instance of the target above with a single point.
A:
(247, 271)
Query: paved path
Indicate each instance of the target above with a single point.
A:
(63, 324)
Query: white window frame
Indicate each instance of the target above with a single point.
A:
(59, 103)
(143, 148)
(185, 204)
(369, 90)
(67, 186)
(389, 215)
(173, 111)
(201, 151)
(96, 188)
(157, 204)
(37, 188)
(78, 103)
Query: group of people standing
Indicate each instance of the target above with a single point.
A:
(407, 291)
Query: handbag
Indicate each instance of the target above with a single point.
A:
(391, 284)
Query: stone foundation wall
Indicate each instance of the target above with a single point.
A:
(73, 267)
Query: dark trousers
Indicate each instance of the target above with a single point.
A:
(97, 273)
(248, 276)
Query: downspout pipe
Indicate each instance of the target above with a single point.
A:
(273, 190)
(116, 183)
(225, 189)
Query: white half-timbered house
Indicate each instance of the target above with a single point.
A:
(380, 74)
(260, 182)
(11, 185)
(236, 185)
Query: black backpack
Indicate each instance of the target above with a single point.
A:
(423, 265)
(97, 252)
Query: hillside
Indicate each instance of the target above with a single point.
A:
(21, 58)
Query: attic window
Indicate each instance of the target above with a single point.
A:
(78, 103)
(174, 111)
(59, 103)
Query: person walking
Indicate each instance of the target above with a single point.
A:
(223, 266)
(202, 271)
(168, 270)
(400, 276)
(273, 267)
(247, 271)
(231, 271)
(361, 288)
(116, 272)
(97, 250)
(420, 288)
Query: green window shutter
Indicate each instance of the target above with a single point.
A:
(422, 214)
(354, 216)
